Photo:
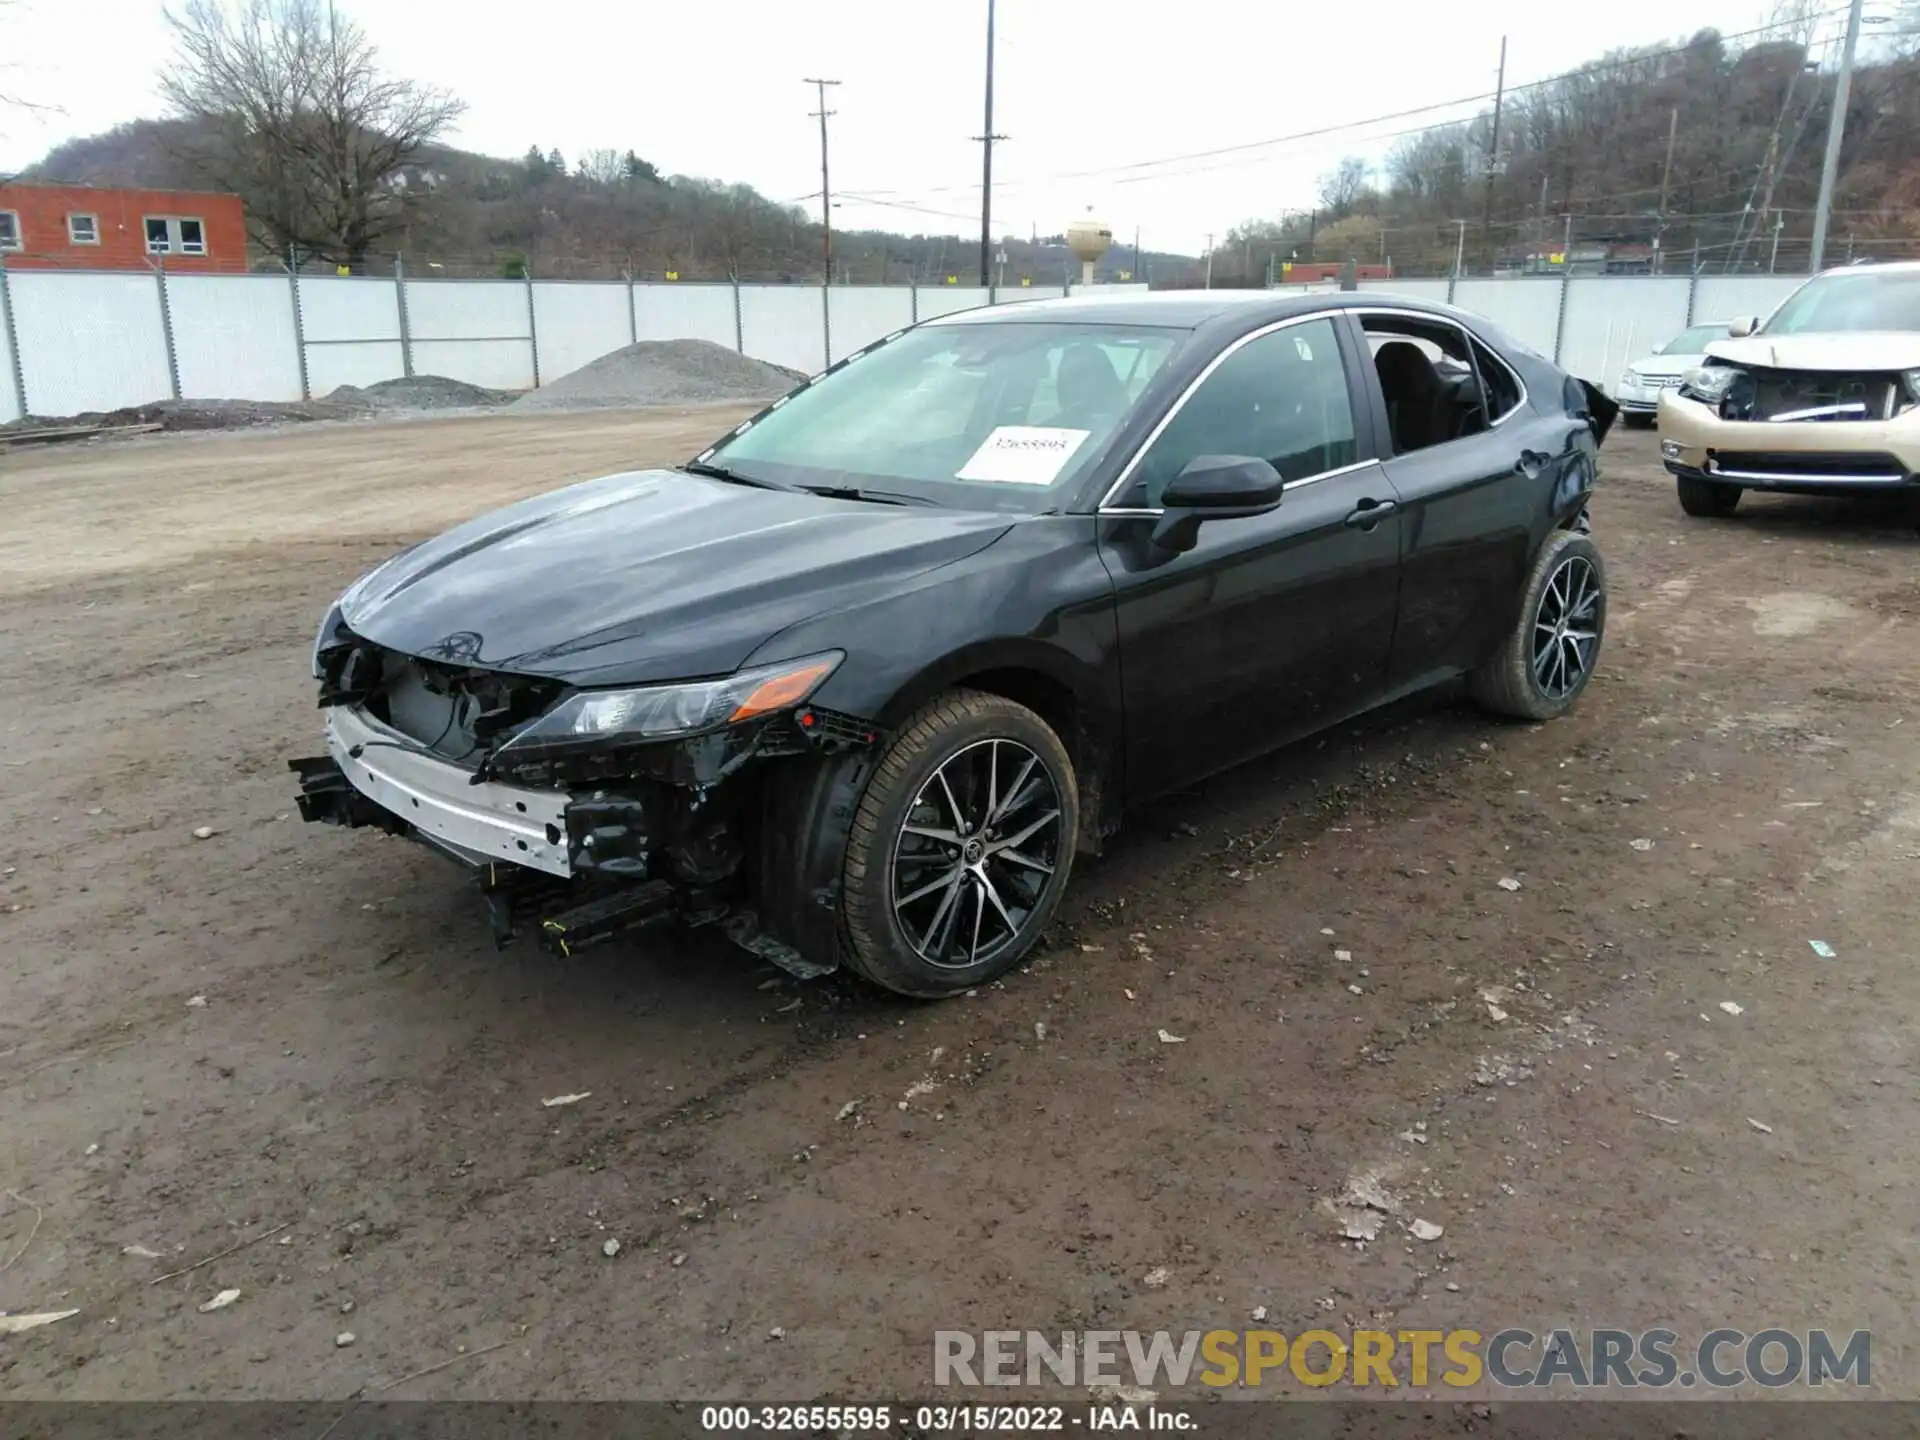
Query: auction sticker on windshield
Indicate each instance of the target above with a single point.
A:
(1023, 455)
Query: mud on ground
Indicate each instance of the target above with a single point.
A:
(280, 1025)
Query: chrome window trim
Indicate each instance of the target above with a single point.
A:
(1143, 513)
(1361, 313)
(1139, 453)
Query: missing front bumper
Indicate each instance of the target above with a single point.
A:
(561, 915)
(582, 863)
(479, 823)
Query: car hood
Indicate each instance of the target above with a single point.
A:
(1848, 350)
(649, 575)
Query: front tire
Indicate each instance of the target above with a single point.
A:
(1546, 661)
(1707, 499)
(961, 846)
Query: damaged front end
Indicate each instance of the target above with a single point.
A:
(587, 813)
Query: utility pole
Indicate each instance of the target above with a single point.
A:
(1493, 155)
(1666, 177)
(1542, 212)
(986, 137)
(1779, 223)
(1836, 127)
(1136, 253)
(1459, 249)
(1209, 260)
(826, 192)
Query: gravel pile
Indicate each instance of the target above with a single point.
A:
(386, 399)
(663, 372)
(201, 414)
(419, 392)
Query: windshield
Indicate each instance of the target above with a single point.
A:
(1694, 341)
(1853, 300)
(1003, 415)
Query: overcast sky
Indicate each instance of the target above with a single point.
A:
(713, 87)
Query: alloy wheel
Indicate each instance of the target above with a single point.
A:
(1566, 627)
(976, 853)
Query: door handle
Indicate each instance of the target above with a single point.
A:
(1369, 513)
(1532, 462)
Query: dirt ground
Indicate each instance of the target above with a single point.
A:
(290, 1026)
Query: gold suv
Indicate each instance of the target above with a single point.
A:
(1823, 398)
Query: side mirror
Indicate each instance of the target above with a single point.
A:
(1743, 327)
(1214, 487)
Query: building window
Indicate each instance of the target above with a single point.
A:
(9, 230)
(83, 229)
(172, 234)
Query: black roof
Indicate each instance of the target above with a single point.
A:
(1180, 309)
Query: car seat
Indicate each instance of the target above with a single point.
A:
(1413, 395)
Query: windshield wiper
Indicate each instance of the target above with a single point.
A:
(872, 497)
(733, 477)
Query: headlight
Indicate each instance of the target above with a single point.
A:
(1632, 379)
(327, 635)
(663, 712)
(1709, 382)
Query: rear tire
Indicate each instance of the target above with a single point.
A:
(1707, 499)
(961, 846)
(1544, 664)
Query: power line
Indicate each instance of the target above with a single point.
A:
(1320, 132)
(903, 205)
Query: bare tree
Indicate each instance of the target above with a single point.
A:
(1430, 165)
(601, 167)
(1343, 187)
(301, 122)
(7, 97)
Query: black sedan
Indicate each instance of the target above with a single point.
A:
(859, 682)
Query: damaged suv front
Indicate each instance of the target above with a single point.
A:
(1822, 399)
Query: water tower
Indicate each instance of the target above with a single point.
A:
(1089, 239)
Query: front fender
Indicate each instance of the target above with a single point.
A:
(1007, 653)
(806, 816)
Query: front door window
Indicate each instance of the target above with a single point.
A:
(1282, 397)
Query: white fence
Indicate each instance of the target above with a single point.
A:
(1595, 325)
(76, 341)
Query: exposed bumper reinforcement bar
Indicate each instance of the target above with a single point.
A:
(515, 894)
(328, 797)
(477, 823)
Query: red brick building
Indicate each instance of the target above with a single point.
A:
(86, 227)
(1311, 272)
